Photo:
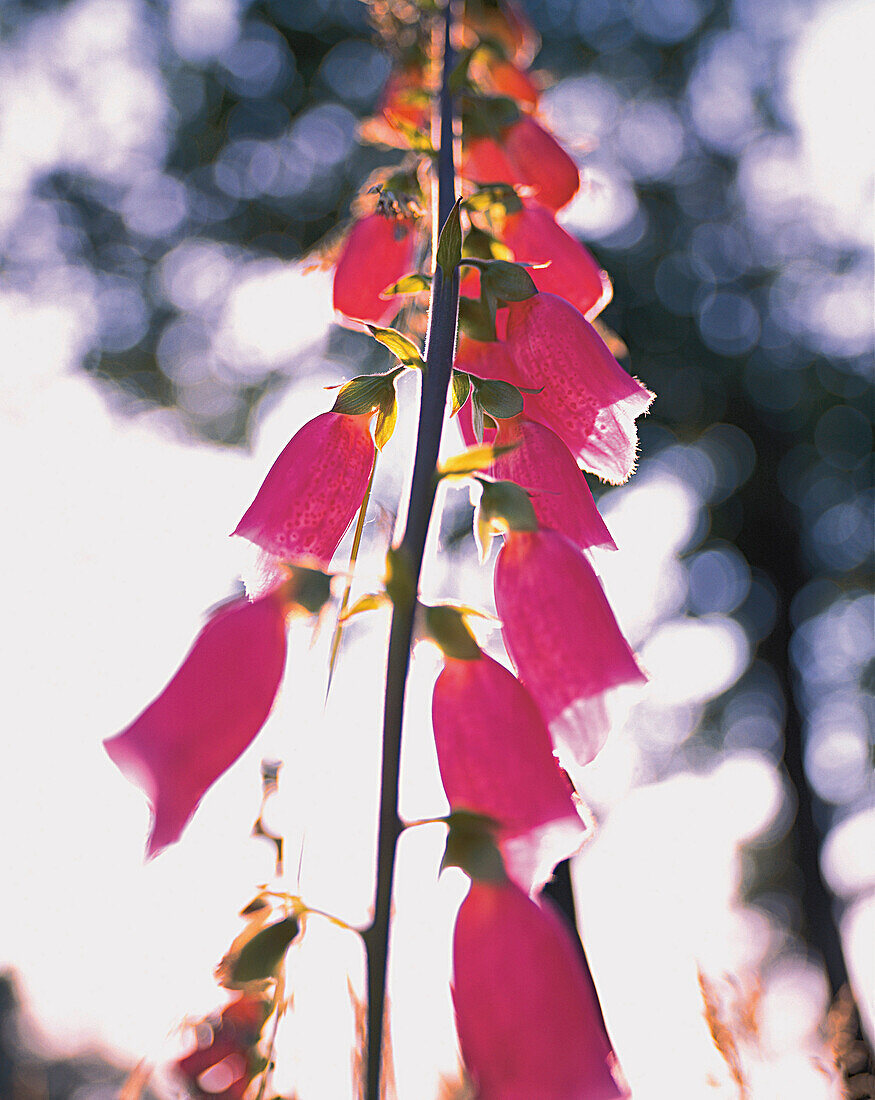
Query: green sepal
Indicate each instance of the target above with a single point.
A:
(488, 116)
(410, 284)
(476, 319)
(401, 346)
(473, 460)
(387, 418)
(446, 626)
(508, 281)
(259, 959)
(308, 588)
(400, 586)
(471, 845)
(461, 387)
(500, 399)
(449, 249)
(503, 506)
(366, 393)
(490, 195)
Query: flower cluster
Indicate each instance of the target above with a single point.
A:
(535, 379)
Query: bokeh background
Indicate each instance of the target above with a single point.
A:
(170, 175)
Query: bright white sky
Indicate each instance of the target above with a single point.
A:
(117, 543)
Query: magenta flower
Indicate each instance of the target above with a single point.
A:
(311, 493)
(207, 715)
(537, 159)
(561, 635)
(528, 1019)
(586, 397)
(496, 758)
(574, 274)
(541, 464)
(377, 252)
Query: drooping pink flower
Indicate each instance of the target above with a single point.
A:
(311, 492)
(207, 715)
(228, 1056)
(538, 160)
(485, 161)
(528, 1020)
(561, 635)
(586, 397)
(574, 274)
(377, 252)
(541, 464)
(496, 758)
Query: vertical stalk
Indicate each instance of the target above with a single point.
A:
(440, 346)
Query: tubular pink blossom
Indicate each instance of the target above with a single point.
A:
(561, 635)
(207, 715)
(537, 159)
(496, 758)
(377, 252)
(542, 464)
(312, 491)
(586, 397)
(574, 274)
(528, 1019)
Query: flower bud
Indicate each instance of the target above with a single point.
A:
(377, 252)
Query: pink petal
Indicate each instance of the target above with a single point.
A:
(484, 161)
(207, 715)
(542, 464)
(562, 636)
(496, 758)
(312, 491)
(586, 397)
(574, 273)
(539, 160)
(527, 1015)
(377, 252)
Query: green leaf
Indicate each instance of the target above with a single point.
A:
(494, 194)
(400, 585)
(401, 346)
(260, 958)
(471, 845)
(460, 391)
(507, 281)
(308, 588)
(499, 399)
(503, 506)
(447, 627)
(387, 417)
(366, 393)
(473, 460)
(449, 249)
(409, 284)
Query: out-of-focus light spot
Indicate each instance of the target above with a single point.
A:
(184, 351)
(582, 110)
(692, 659)
(327, 132)
(729, 322)
(124, 316)
(155, 205)
(196, 274)
(201, 29)
(719, 580)
(274, 311)
(732, 455)
(838, 754)
(842, 538)
(668, 21)
(259, 63)
(721, 92)
(693, 464)
(858, 937)
(605, 204)
(677, 284)
(355, 71)
(719, 252)
(649, 139)
(848, 856)
(794, 1003)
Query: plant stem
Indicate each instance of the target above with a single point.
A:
(440, 346)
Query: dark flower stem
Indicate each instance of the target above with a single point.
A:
(440, 346)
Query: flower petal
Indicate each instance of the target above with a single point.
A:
(527, 1015)
(312, 491)
(207, 715)
(561, 634)
(539, 160)
(377, 252)
(496, 758)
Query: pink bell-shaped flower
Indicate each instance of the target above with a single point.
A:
(208, 714)
(311, 493)
(585, 395)
(561, 635)
(538, 160)
(485, 161)
(574, 274)
(541, 464)
(496, 759)
(377, 252)
(528, 1019)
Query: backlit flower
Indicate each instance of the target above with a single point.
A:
(585, 395)
(377, 252)
(561, 635)
(527, 1015)
(312, 491)
(208, 714)
(222, 1067)
(539, 161)
(496, 758)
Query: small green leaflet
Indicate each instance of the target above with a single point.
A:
(409, 284)
(499, 399)
(449, 249)
(403, 348)
(461, 389)
(259, 958)
(365, 393)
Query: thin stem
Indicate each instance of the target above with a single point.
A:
(440, 346)
(353, 558)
